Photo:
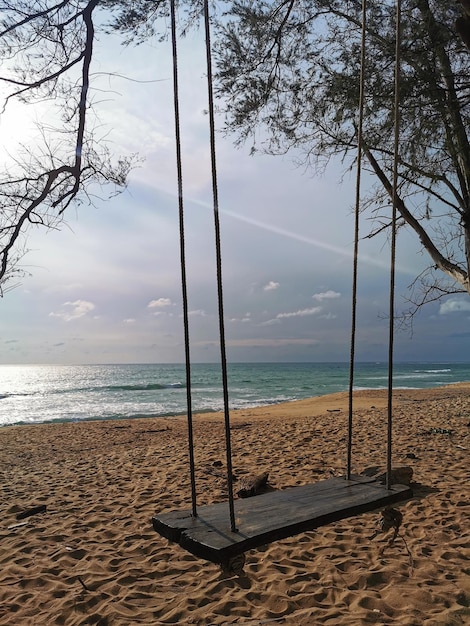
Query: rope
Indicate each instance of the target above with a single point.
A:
(393, 241)
(215, 194)
(179, 171)
(356, 239)
(392, 518)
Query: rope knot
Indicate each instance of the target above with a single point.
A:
(391, 518)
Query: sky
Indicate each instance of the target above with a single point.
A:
(106, 287)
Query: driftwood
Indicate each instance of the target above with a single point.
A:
(12, 526)
(401, 475)
(33, 511)
(252, 485)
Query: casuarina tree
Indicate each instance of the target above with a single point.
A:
(291, 69)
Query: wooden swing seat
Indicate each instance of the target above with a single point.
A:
(274, 515)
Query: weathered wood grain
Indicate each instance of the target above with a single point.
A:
(273, 516)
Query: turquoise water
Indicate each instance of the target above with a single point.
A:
(33, 394)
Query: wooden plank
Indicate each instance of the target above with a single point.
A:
(274, 515)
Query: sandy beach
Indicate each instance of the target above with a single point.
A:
(92, 556)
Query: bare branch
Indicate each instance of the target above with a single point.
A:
(53, 177)
(449, 268)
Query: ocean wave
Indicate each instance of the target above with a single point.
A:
(141, 387)
(442, 371)
(420, 374)
(121, 387)
(128, 392)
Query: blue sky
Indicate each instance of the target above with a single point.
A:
(106, 288)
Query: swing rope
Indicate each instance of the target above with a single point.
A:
(392, 246)
(211, 110)
(356, 238)
(179, 171)
(215, 195)
(308, 506)
(393, 240)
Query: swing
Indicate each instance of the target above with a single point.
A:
(223, 532)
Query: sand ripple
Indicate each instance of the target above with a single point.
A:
(93, 557)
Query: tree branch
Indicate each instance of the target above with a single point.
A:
(56, 188)
(444, 264)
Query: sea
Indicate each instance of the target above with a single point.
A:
(33, 394)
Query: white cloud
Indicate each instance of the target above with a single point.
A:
(118, 265)
(270, 322)
(301, 313)
(454, 306)
(271, 286)
(79, 309)
(244, 319)
(160, 303)
(326, 295)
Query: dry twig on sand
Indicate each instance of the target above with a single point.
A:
(393, 518)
